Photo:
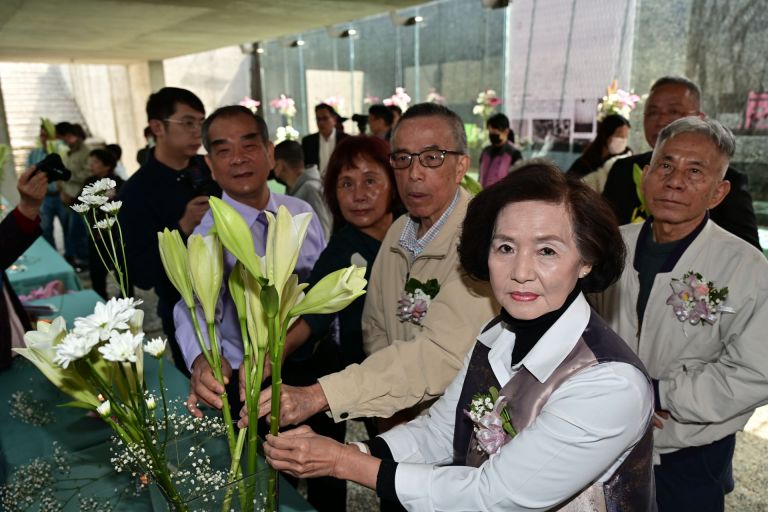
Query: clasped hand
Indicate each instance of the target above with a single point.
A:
(303, 453)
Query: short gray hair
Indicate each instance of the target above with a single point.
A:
(721, 136)
(435, 110)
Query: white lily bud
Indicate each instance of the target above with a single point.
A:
(333, 293)
(104, 409)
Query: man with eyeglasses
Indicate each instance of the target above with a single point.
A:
(414, 352)
(318, 146)
(169, 191)
(672, 98)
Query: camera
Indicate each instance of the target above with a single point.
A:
(54, 168)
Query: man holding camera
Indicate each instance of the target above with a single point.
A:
(169, 191)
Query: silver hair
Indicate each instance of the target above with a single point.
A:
(434, 110)
(716, 132)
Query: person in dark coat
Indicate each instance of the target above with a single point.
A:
(672, 98)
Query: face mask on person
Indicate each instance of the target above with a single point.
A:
(617, 145)
(495, 138)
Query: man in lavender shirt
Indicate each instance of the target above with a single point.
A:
(240, 156)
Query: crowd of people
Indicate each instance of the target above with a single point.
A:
(578, 340)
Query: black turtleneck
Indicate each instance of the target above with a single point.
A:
(528, 332)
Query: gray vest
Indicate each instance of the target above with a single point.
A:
(631, 488)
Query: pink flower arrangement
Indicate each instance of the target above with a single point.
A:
(400, 98)
(335, 101)
(617, 102)
(412, 307)
(284, 105)
(250, 104)
(493, 425)
(696, 300)
(435, 97)
(486, 103)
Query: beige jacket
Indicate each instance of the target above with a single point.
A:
(410, 364)
(77, 162)
(711, 377)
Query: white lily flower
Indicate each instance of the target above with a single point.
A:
(47, 334)
(284, 238)
(173, 254)
(105, 223)
(293, 293)
(155, 347)
(122, 347)
(206, 265)
(81, 207)
(136, 322)
(105, 409)
(333, 293)
(111, 206)
(72, 348)
(235, 235)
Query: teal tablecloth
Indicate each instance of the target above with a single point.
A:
(69, 305)
(39, 265)
(84, 437)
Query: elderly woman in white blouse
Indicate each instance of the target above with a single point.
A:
(551, 409)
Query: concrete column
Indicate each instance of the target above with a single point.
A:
(156, 75)
(8, 183)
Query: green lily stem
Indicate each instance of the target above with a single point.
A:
(199, 334)
(234, 471)
(277, 339)
(225, 410)
(247, 362)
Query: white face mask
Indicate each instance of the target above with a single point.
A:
(617, 145)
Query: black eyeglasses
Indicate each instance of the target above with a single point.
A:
(428, 158)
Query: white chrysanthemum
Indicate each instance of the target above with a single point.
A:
(81, 207)
(105, 223)
(151, 404)
(155, 347)
(111, 206)
(103, 185)
(95, 200)
(72, 348)
(114, 315)
(122, 347)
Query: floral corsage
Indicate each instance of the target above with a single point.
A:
(493, 426)
(695, 299)
(415, 299)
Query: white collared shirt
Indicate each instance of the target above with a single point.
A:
(326, 148)
(585, 430)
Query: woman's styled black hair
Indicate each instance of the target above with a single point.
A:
(594, 224)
